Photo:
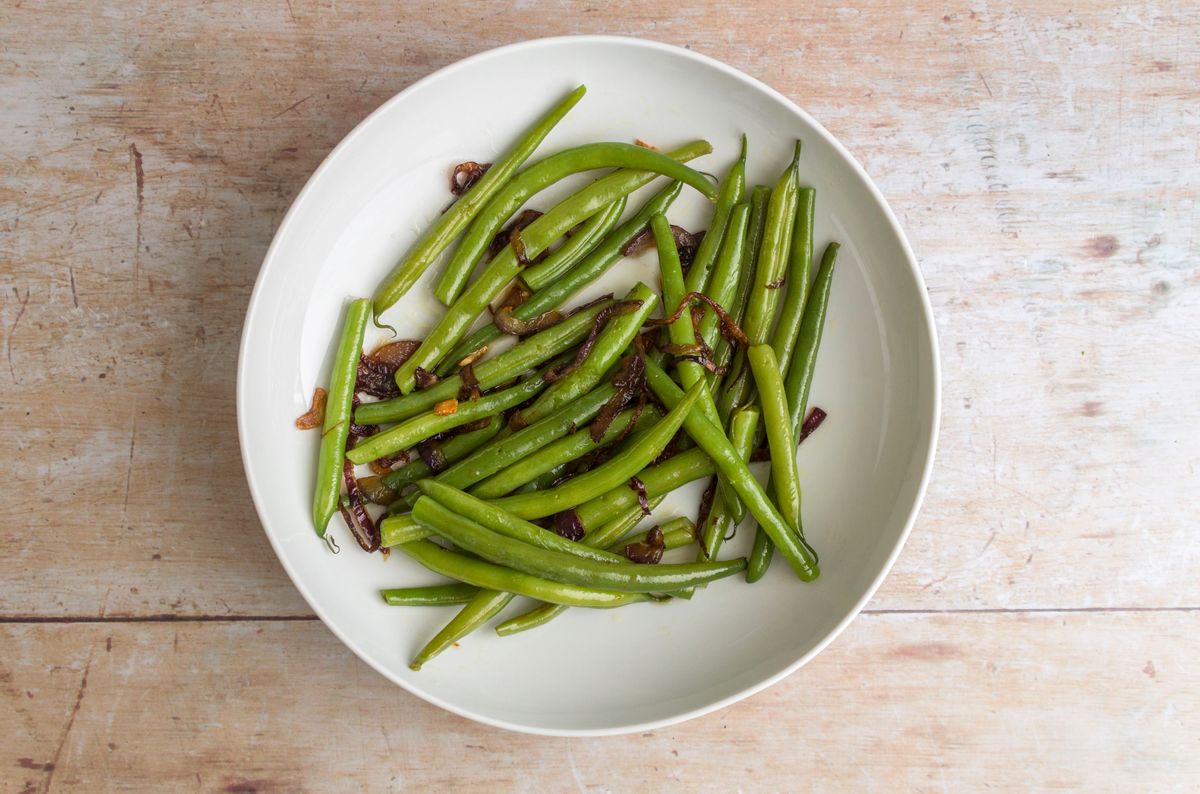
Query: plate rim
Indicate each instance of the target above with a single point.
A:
(304, 195)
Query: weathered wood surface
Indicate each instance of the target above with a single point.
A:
(1043, 162)
(900, 702)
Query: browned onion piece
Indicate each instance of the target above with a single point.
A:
(686, 243)
(469, 390)
(568, 525)
(629, 380)
(511, 235)
(315, 415)
(465, 175)
(648, 552)
(393, 354)
(671, 449)
(815, 417)
(640, 488)
(376, 378)
(355, 512)
(374, 491)
(469, 427)
(729, 328)
(424, 378)
(431, 452)
(510, 325)
(516, 294)
(705, 361)
(563, 370)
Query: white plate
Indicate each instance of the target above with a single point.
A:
(864, 472)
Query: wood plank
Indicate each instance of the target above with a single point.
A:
(1085, 701)
(1036, 158)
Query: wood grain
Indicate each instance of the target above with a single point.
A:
(1042, 161)
(285, 708)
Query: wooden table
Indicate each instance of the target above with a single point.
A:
(1042, 626)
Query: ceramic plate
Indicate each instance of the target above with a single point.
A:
(864, 472)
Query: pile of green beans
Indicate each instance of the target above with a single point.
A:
(532, 470)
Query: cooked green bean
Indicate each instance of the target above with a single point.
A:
(723, 352)
(611, 342)
(517, 446)
(531, 351)
(565, 450)
(732, 190)
(799, 275)
(721, 519)
(470, 570)
(583, 241)
(769, 275)
(634, 457)
(536, 178)
(552, 294)
(781, 442)
(495, 519)
(482, 607)
(544, 480)
(797, 383)
(672, 473)
(712, 440)
(419, 428)
(535, 238)
(723, 284)
(432, 596)
(400, 528)
(336, 428)
(622, 524)
(443, 231)
(677, 532)
(453, 449)
(565, 568)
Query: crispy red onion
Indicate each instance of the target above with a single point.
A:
(424, 378)
(431, 452)
(511, 235)
(469, 390)
(729, 327)
(640, 488)
(393, 354)
(375, 378)
(355, 512)
(568, 525)
(465, 175)
(649, 551)
(685, 242)
(815, 417)
(619, 308)
(510, 325)
(629, 380)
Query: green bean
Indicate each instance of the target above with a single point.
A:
(723, 351)
(480, 573)
(798, 278)
(535, 238)
(519, 445)
(553, 294)
(721, 519)
(622, 524)
(712, 440)
(495, 519)
(482, 607)
(611, 342)
(536, 178)
(583, 241)
(336, 428)
(635, 456)
(419, 428)
(732, 190)
(565, 568)
(564, 450)
(443, 231)
(723, 285)
(675, 534)
(453, 449)
(797, 383)
(782, 444)
(769, 274)
(433, 596)
(672, 473)
(544, 480)
(400, 528)
(804, 360)
(531, 351)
